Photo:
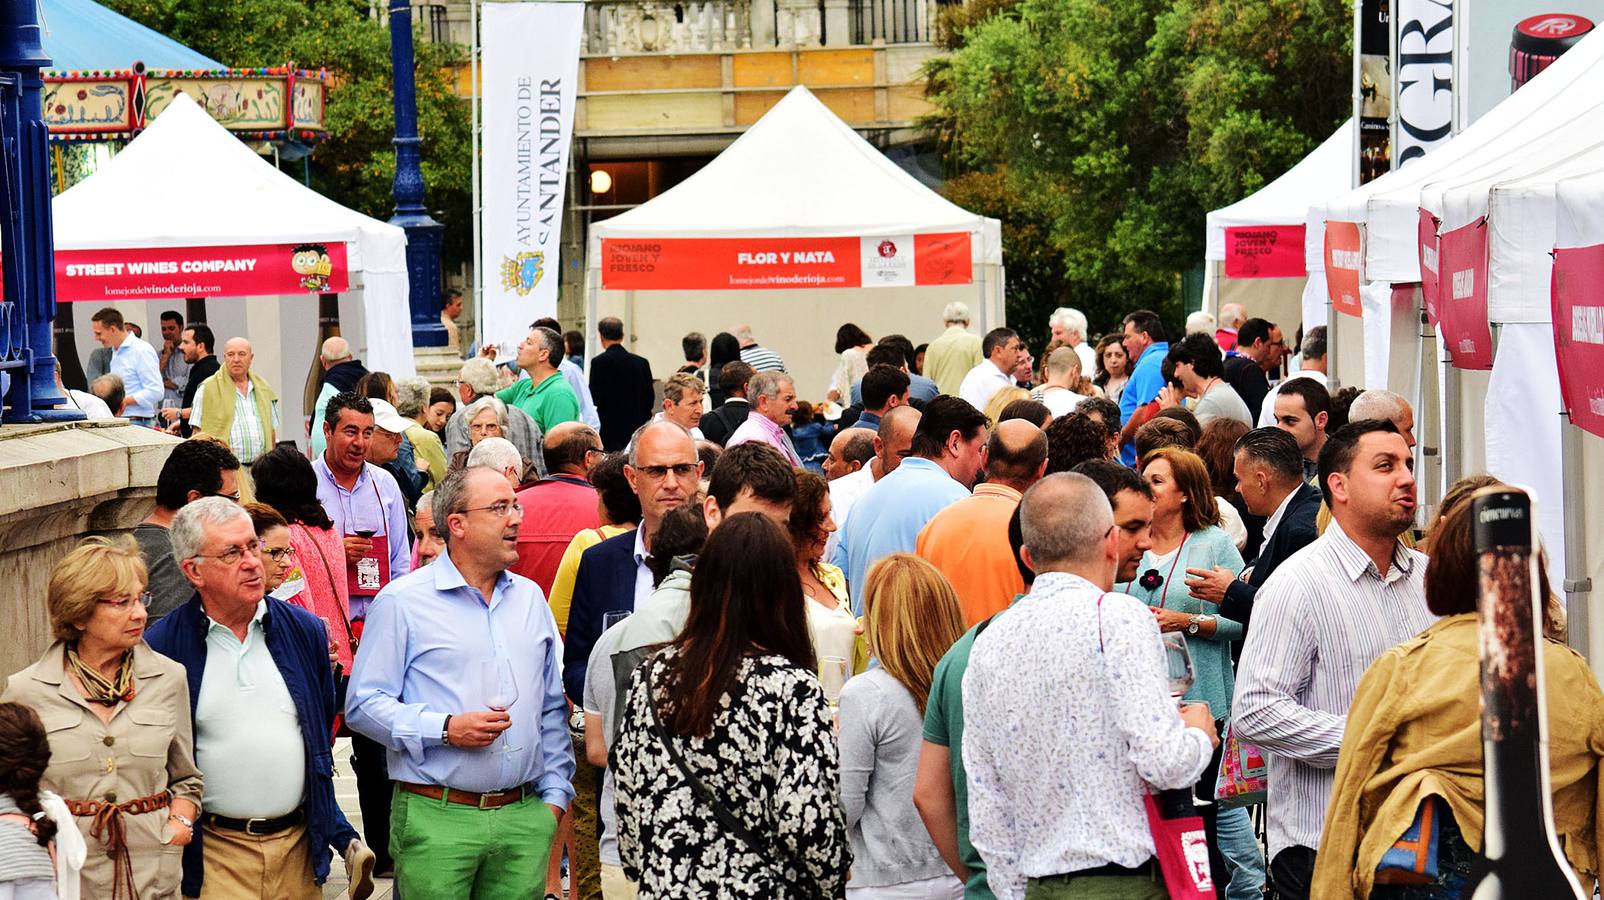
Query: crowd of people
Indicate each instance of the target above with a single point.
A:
(699, 637)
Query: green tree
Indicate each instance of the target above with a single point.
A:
(355, 164)
(1116, 124)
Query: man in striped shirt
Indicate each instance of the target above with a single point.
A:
(760, 358)
(1319, 621)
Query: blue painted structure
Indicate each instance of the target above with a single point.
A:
(28, 300)
(85, 35)
(424, 234)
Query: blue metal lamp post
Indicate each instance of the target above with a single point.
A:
(424, 234)
(28, 304)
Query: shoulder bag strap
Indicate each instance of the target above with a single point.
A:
(345, 621)
(722, 813)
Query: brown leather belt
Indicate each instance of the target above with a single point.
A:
(488, 800)
(108, 828)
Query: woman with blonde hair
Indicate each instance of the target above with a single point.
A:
(118, 718)
(911, 618)
(1000, 400)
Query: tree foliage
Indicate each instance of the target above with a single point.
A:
(1102, 131)
(355, 164)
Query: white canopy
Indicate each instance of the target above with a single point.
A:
(798, 172)
(186, 181)
(801, 172)
(1565, 93)
(1285, 201)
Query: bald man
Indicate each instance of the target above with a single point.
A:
(340, 373)
(560, 505)
(237, 406)
(968, 541)
(889, 445)
(1377, 404)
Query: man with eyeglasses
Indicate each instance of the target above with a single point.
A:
(262, 696)
(194, 469)
(460, 681)
(1260, 349)
(560, 505)
(370, 512)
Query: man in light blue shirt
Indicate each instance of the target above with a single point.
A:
(948, 452)
(459, 678)
(135, 362)
(1144, 342)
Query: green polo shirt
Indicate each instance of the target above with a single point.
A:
(549, 403)
(944, 725)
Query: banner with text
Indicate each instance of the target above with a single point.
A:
(732, 264)
(144, 273)
(531, 66)
(1579, 334)
(1425, 82)
(1426, 234)
(1264, 251)
(1462, 296)
(1344, 250)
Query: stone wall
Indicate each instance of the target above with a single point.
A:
(59, 483)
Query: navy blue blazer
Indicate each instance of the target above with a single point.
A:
(603, 583)
(300, 647)
(1295, 531)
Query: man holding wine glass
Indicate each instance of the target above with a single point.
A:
(459, 678)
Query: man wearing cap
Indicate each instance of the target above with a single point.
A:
(369, 511)
(389, 431)
(950, 357)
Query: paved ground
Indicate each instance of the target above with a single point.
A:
(345, 795)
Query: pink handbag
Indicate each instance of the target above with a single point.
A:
(1182, 849)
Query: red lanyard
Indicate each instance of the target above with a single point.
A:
(1167, 578)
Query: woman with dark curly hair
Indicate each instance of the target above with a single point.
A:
(26, 830)
(1077, 438)
(830, 621)
(619, 511)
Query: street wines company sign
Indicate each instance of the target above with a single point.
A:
(732, 264)
(105, 276)
(1579, 334)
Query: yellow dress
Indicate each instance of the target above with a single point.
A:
(562, 586)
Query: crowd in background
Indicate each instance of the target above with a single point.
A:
(912, 633)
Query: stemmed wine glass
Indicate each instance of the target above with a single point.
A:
(500, 690)
(1178, 663)
(833, 673)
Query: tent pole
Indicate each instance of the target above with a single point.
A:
(985, 300)
(1578, 587)
(1333, 361)
(1453, 456)
(475, 288)
(1430, 416)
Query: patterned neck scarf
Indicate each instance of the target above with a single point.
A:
(99, 689)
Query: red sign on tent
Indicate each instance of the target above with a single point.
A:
(1264, 251)
(1343, 255)
(104, 276)
(723, 264)
(1429, 264)
(1579, 334)
(1462, 296)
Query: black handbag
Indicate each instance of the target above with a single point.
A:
(728, 820)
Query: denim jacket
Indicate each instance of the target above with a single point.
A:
(297, 644)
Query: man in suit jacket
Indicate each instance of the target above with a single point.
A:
(718, 425)
(664, 472)
(621, 384)
(1269, 473)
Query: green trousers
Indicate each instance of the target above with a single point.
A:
(1095, 888)
(447, 851)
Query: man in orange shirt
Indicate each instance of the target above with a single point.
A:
(968, 541)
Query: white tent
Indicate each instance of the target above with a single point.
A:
(188, 182)
(798, 173)
(1284, 202)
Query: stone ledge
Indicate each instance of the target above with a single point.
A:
(69, 463)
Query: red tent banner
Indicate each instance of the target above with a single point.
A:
(1264, 251)
(144, 273)
(715, 264)
(1343, 255)
(1579, 334)
(1428, 264)
(1462, 296)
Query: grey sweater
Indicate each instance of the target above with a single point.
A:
(881, 731)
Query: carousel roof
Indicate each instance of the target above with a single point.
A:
(81, 35)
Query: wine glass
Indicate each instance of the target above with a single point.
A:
(833, 672)
(500, 690)
(1178, 664)
(609, 619)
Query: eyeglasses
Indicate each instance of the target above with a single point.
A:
(658, 473)
(485, 428)
(234, 496)
(278, 555)
(123, 604)
(501, 508)
(232, 555)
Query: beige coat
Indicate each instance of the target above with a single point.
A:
(147, 747)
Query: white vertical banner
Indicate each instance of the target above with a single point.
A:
(1425, 102)
(530, 75)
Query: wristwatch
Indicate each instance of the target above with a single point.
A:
(188, 822)
(445, 732)
(1194, 623)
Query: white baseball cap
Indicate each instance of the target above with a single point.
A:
(385, 416)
